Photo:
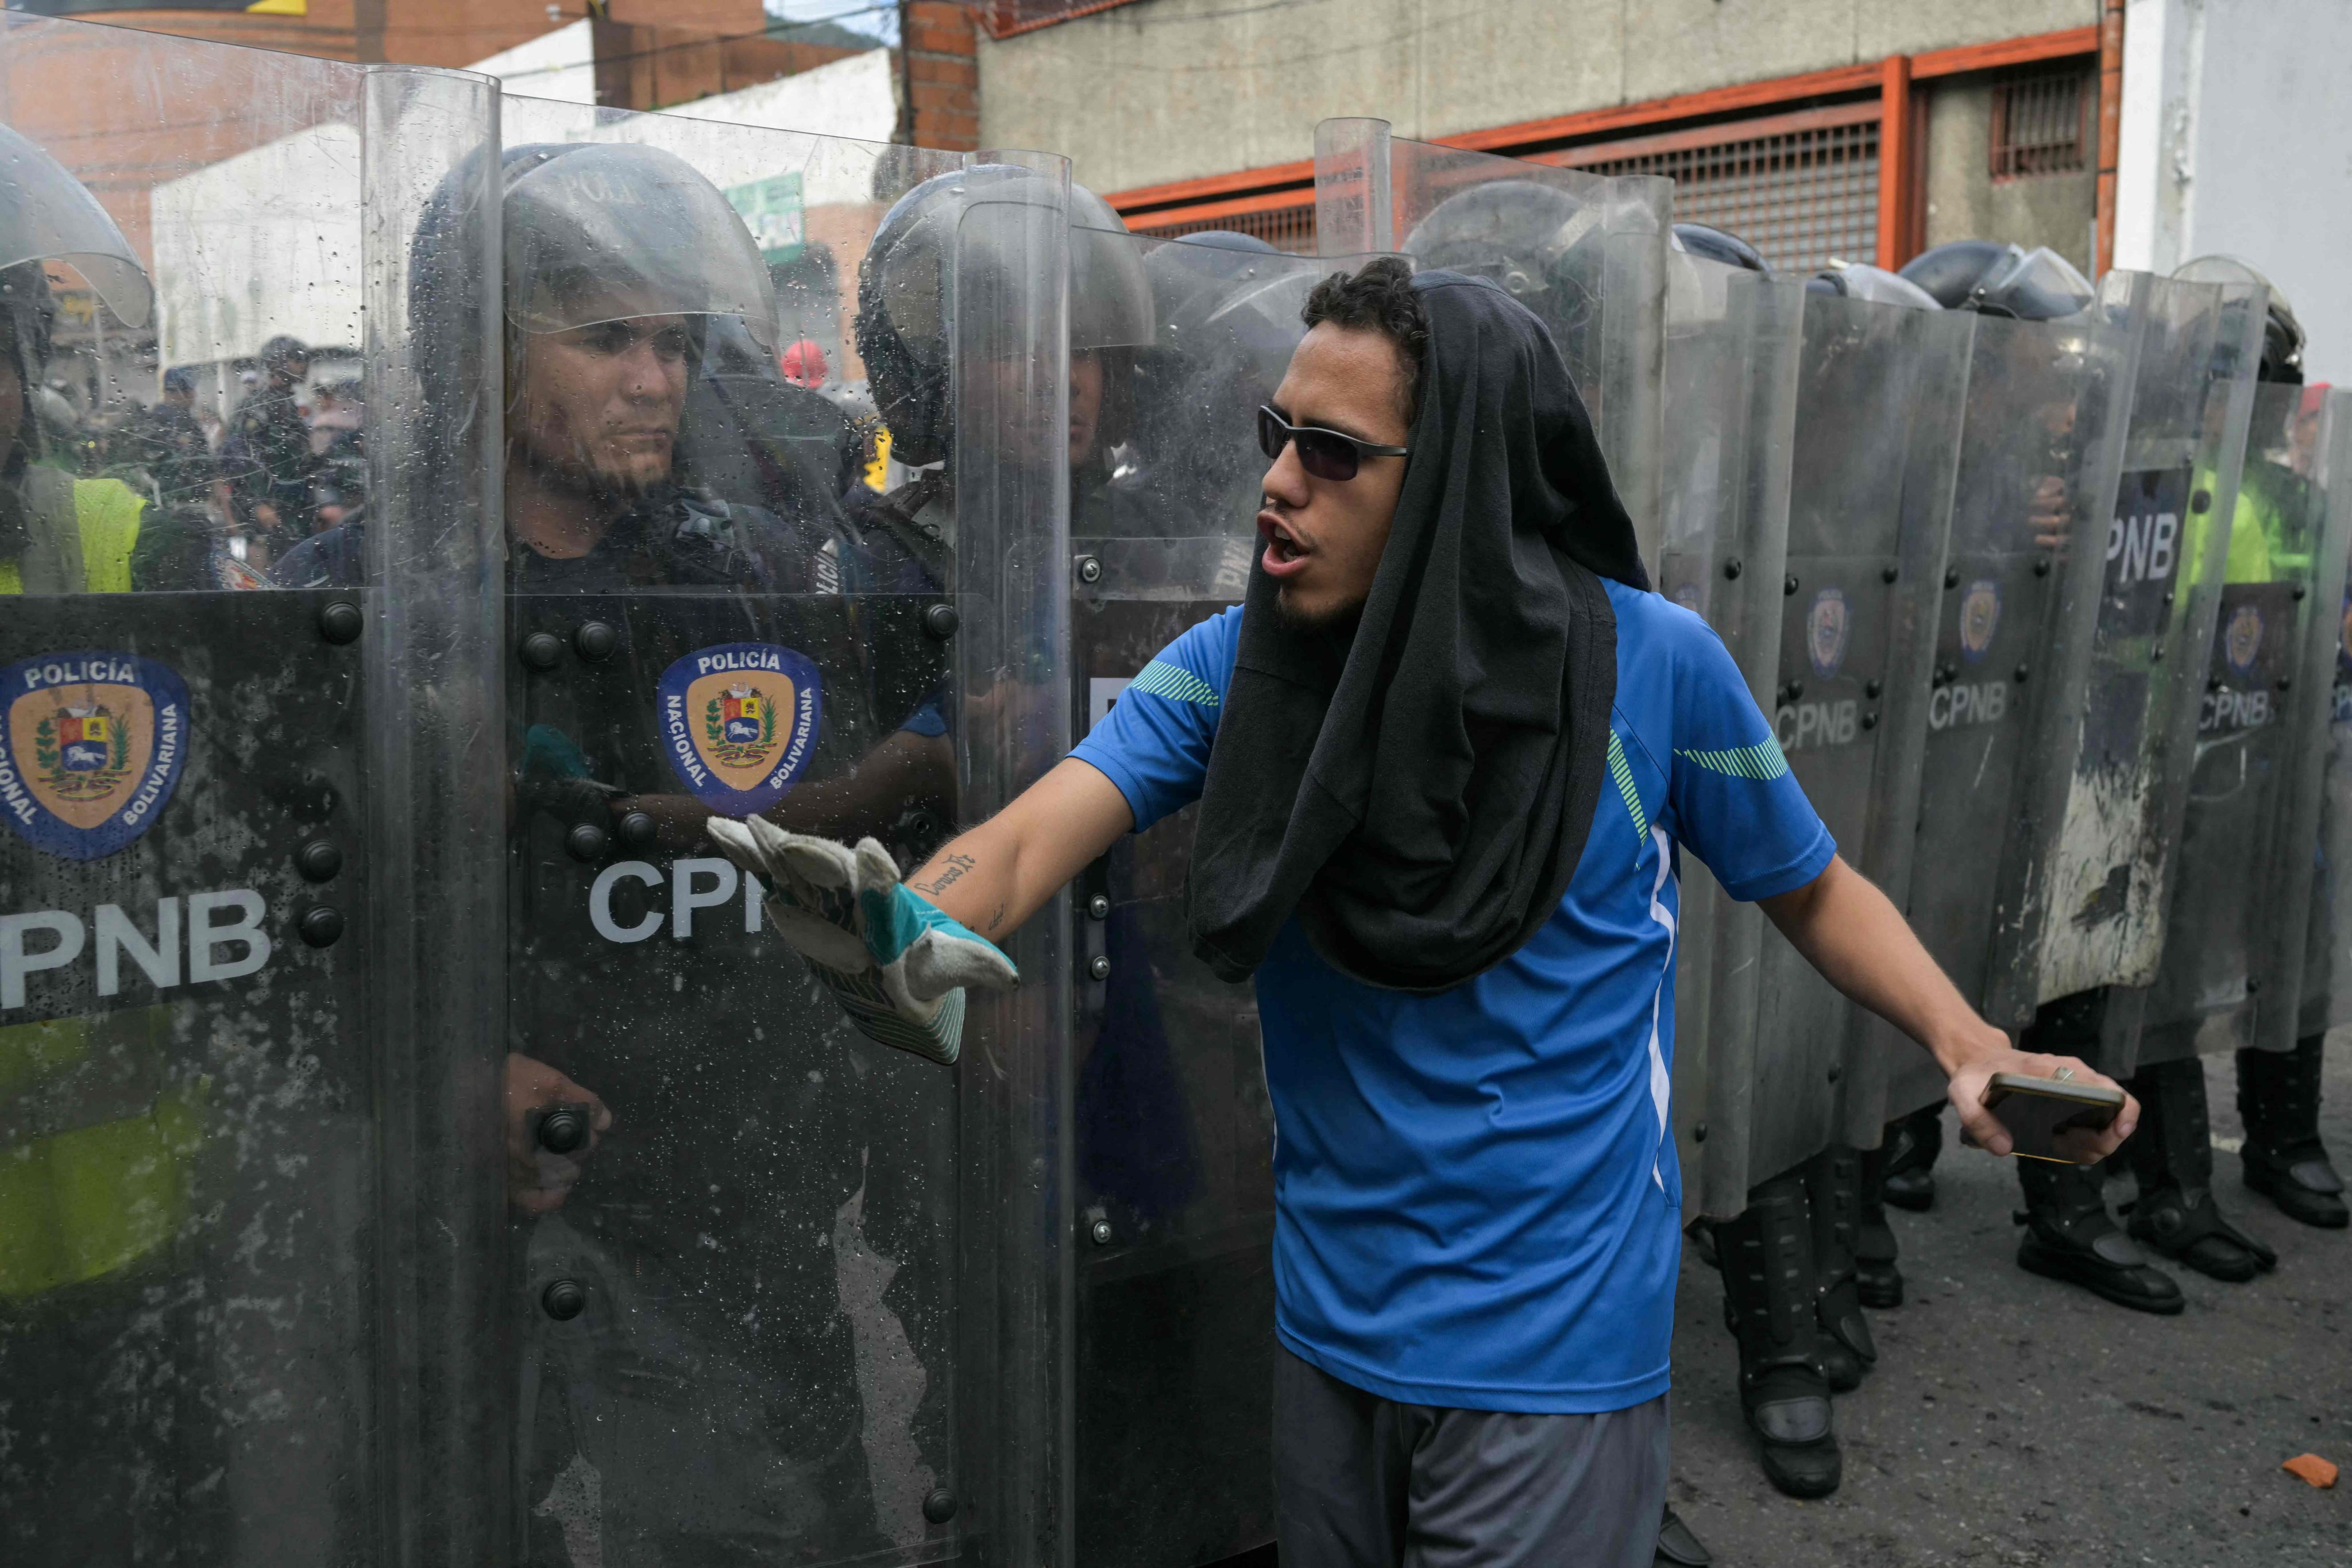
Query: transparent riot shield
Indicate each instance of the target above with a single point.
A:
(1174, 1133)
(2101, 800)
(2315, 830)
(1585, 253)
(251, 1171)
(777, 1291)
(1732, 346)
(1881, 393)
(2040, 444)
(2233, 939)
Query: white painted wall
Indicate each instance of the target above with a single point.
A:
(561, 64)
(2237, 137)
(855, 97)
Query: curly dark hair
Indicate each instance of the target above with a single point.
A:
(1380, 297)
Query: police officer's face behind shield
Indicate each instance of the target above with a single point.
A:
(1323, 538)
(599, 405)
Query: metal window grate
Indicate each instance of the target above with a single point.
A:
(2041, 123)
(1804, 196)
(1284, 228)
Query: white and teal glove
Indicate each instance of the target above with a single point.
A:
(896, 964)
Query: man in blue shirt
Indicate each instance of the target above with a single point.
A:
(1448, 754)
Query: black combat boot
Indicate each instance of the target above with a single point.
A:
(2278, 1096)
(2069, 1236)
(1769, 1303)
(1876, 1280)
(1911, 1145)
(1833, 1191)
(1677, 1547)
(2172, 1156)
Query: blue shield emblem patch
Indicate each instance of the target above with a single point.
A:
(738, 723)
(91, 746)
(1827, 626)
(2242, 639)
(1980, 618)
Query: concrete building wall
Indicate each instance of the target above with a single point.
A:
(1964, 201)
(2237, 137)
(1171, 90)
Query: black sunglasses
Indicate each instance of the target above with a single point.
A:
(1326, 453)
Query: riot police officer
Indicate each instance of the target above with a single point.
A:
(2273, 537)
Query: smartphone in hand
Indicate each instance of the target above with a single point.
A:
(2036, 1110)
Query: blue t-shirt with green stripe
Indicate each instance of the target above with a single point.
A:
(1477, 1199)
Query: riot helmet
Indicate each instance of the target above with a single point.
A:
(1999, 280)
(2283, 339)
(905, 299)
(47, 215)
(1857, 281)
(1110, 321)
(1701, 239)
(1229, 310)
(284, 355)
(597, 232)
(606, 235)
(1520, 233)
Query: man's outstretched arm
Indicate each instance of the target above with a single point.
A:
(1856, 936)
(997, 875)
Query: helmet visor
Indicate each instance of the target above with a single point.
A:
(47, 215)
(608, 232)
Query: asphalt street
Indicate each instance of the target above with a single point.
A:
(2017, 1422)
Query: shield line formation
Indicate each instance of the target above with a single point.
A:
(412, 1144)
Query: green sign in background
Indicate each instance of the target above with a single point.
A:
(772, 209)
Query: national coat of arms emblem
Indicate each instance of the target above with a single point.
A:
(738, 723)
(91, 746)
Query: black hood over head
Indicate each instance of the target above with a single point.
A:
(1418, 792)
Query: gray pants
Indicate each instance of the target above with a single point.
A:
(1365, 1482)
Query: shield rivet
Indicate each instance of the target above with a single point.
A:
(1698, 1133)
(586, 842)
(2201, 501)
(2284, 681)
(318, 859)
(542, 650)
(941, 1506)
(2042, 566)
(1835, 1072)
(1789, 583)
(564, 1299)
(1100, 968)
(321, 925)
(341, 622)
(595, 640)
(1100, 1230)
(1951, 576)
(940, 621)
(1888, 573)
(562, 1130)
(1098, 907)
(1870, 720)
(2020, 677)
(637, 830)
(1089, 569)
(1731, 568)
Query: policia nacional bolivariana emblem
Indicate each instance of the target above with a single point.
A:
(739, 722)
(91, 746)
(1827, 626)
(2242, 641)
(1980, 618)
